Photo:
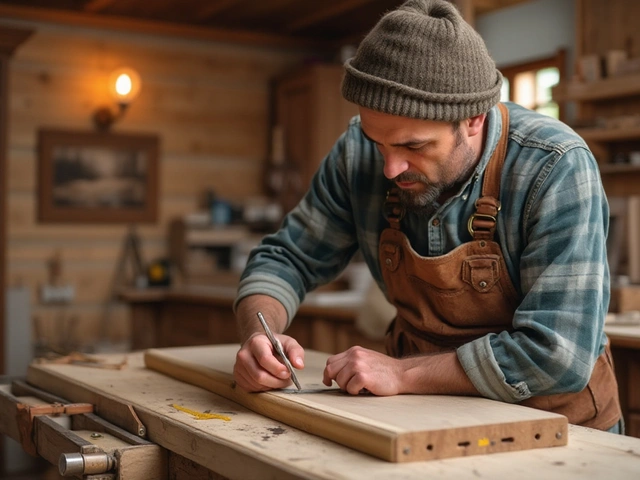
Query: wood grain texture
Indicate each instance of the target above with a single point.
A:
(402, 428)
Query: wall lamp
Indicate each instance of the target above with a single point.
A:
(124, 86)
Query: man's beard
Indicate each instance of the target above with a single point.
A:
(424, 202)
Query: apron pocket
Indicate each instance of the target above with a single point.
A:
(481, 272)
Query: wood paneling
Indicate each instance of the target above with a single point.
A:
(208, 103)
(609, 25)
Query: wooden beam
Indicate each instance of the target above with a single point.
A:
(319, 14)
(152, 27)
(211, 9)
(95, 6)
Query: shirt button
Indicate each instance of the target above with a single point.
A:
(465, 196)
(436, 222)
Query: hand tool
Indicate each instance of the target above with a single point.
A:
(277, 346)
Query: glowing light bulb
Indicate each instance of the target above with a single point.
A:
(124, 85)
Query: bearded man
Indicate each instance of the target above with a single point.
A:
(483, 223)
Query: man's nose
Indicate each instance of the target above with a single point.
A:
(394, 165)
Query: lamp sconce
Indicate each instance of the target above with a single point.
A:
(124, 86)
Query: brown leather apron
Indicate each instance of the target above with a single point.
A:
(443, 302)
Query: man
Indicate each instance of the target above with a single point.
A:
(484, 224)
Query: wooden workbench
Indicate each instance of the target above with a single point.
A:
(255, 447)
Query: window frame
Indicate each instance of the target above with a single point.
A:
(558, 61)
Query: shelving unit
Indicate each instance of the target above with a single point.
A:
(206, 255)
(602, 102)
(612, 87)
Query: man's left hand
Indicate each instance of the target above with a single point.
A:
(359, 368)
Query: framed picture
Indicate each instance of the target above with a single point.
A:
(96, 177)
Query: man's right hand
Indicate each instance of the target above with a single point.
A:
(258, 368)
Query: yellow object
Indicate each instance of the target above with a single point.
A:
(156, 272)
(484, 442)
(201, 415)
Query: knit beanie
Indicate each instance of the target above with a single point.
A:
(423, 61)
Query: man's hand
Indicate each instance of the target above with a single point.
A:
(359, 368)
(258, 368)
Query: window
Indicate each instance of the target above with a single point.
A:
(529, 84)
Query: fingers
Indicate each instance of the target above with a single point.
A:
(348, 371)
(257, 368)
(360, 370)
(293, 351)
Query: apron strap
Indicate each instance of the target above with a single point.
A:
(393, 210)
(482, 224)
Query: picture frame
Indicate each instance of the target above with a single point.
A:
(97, 177)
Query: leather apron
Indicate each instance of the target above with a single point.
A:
(446, 301)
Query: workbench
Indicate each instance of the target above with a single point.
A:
(203, 315)
(178, 445)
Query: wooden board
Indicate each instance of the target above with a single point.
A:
(401, 428)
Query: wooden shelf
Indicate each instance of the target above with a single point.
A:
(614, 87)
(609, 134)
(215, 237)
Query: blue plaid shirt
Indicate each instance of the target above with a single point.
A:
(552, 231)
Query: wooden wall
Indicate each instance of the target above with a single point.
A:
(607, 25)
(208, 103)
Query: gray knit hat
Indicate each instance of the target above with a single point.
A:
(423, 61)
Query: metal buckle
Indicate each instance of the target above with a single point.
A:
(390, 215)
(479, 215)
(389, 207)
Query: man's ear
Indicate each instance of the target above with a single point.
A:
(475, 124)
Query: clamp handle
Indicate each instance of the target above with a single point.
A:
(85, 463)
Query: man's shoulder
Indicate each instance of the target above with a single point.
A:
(535, 130)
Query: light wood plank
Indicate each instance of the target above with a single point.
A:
(397, 429)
